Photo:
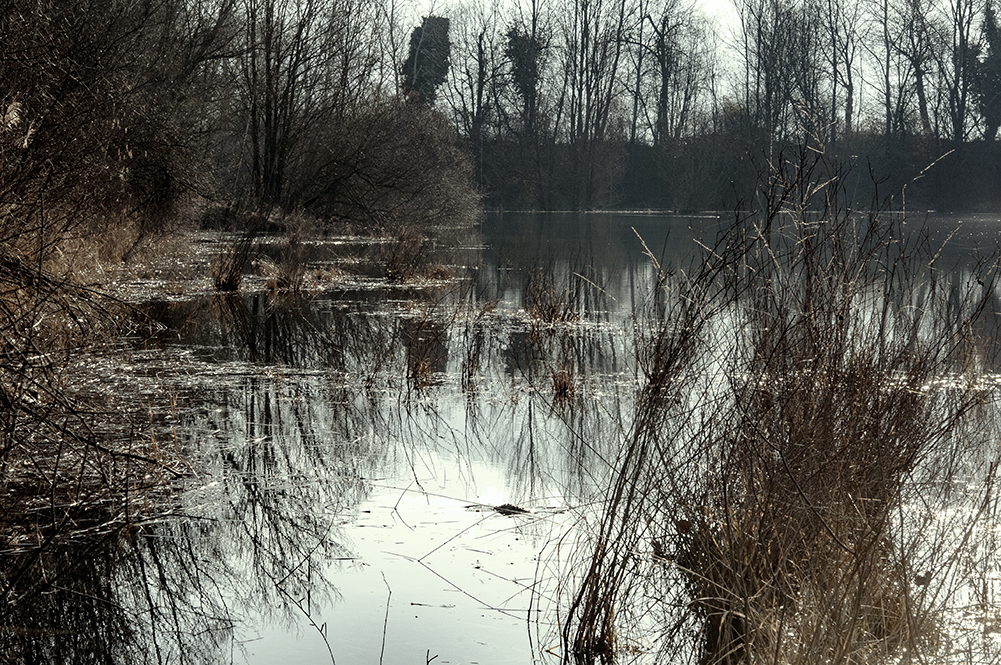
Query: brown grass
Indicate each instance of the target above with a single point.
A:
(425, 342)
(814, 402)
(228, 268)
(565, 385)
(73, 467)
(549, 301)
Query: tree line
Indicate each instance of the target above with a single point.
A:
(591, 103)
(126, 111)
(367, 110)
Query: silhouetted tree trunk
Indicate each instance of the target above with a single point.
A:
(840, 21)
(957, 65)
(284, 84)
(593, 33)
(916, 45)
(780, 71)
(475, 75)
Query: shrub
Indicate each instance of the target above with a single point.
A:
(815, 403)
(390, 165)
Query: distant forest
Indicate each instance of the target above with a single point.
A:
(650, 103)
(366, 110)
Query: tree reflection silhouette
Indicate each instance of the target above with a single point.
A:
(289, 411)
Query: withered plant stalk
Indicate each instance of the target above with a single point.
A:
(813, 455)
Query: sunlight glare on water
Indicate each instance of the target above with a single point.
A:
(434, 572)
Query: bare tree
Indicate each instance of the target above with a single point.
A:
(841, 23)
(303, 62)
(957, 64)
(527, 51)
(284, 82)
(915, 42)
(675, 40)
(592, 33)
(779, 44)
(475, 75)
(97, 101)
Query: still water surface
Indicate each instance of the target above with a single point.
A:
(348, 451)
(346, 513)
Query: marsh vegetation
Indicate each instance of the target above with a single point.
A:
(770, 437)
(810, 473)
(271, 382)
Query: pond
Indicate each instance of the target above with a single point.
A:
(382, 473)
(350, 502)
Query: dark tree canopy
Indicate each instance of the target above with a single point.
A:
(989, 79)
(426, 67)
(524, 52)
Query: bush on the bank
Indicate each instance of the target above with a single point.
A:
(389, 165)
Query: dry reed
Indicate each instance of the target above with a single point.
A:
(815, 400)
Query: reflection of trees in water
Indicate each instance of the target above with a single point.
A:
(261, 523)
(561, 456)
(282, 447)
(259, 328)
(107, 610)
(426, 343)
(558, 389)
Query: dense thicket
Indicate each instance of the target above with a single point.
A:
(118, 120)
(119, 110)
(782, 495)
(120, 117)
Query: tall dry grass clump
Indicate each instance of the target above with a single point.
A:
(549, 301)
(809, 477)
(228, 268)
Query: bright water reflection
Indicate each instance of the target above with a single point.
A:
(347, 452)
(348, 457)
